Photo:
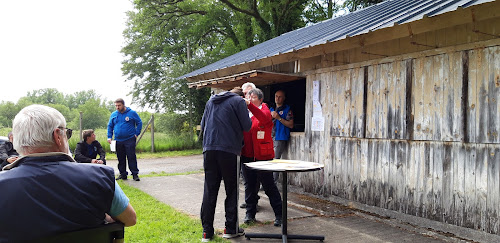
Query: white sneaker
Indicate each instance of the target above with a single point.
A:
(227, 235)
(206, 238)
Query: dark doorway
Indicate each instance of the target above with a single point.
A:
(295, 97)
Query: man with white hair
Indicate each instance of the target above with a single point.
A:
(45, 192)
(247, 87)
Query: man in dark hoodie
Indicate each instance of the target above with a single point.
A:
(224, 120)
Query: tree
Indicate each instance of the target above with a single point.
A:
(8, 110)
(353, 5)
(166, 39)
(94, 115)
(81, 97)
(45, 96)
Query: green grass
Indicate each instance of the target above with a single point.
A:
(149, 155)
(158, 222)
(163, 141)
(166, 144)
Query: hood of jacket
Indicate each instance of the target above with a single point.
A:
(221, 97)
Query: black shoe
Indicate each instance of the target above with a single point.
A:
(277, 222)
(136, 177)
(243, 205)
(121, 177)
(249, 219)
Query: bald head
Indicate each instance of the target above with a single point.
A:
(279, 98)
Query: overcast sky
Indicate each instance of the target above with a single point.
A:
(64, 44)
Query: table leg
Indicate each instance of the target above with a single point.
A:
(284, 225)
(284, 208)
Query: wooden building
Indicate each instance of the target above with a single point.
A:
(407, 111)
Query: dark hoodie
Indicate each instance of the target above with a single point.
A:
(224, 120)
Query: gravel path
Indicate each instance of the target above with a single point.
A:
(167, 165)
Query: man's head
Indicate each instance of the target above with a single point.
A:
(279, 97)
(10, 136)
(88, 135)
(40, 129)
(247, 87)
(238, 91)
(256, 96)
(120, 105)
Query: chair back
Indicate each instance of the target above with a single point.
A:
(108, 233)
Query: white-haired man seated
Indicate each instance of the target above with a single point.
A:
(45, 193)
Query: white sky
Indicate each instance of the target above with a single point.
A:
(69, 45)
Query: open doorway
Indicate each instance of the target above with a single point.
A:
(295, 97)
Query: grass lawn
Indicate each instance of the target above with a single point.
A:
(149, 155)
(158, 222)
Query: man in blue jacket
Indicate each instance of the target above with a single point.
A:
(126, 126)
(224, 120)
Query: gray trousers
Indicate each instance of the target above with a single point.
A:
(279, 147)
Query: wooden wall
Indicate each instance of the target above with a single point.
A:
(418, 135)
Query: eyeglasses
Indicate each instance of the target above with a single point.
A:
(69, 132)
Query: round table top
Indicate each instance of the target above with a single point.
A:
(281, 165)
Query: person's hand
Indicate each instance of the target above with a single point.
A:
(275, 115)
(247, 101)
(12, 159)
(109, 140)
(109, 219)
(96, 161)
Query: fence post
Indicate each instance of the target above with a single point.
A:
(152, 133)
(81, 118)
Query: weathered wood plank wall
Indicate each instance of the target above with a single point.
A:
(419, 136)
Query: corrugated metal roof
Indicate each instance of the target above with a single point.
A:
(382, 15)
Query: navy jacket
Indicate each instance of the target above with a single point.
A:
(44, 196)
(224, 120)
(82, 152)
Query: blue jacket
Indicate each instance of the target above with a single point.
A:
(224, 120)
(282, 132)
(124, 125)
(45, 196)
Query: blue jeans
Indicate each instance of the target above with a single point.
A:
(126, 150)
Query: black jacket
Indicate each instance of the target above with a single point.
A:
(82, 155)
(6, 151)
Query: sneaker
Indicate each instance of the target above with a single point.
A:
(206, 237)
(136, 177)
(249, 219)
(121, 177)
(277, 222)
(243, 205)
(228, 235)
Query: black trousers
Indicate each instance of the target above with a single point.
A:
(252, 178)
(219, 165)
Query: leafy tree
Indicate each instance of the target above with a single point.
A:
(94, 115)
(65, 111)
(170, 122)
(46, 96)
(81, 97)
(166, 39)
(8, 110)
(353, 5)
